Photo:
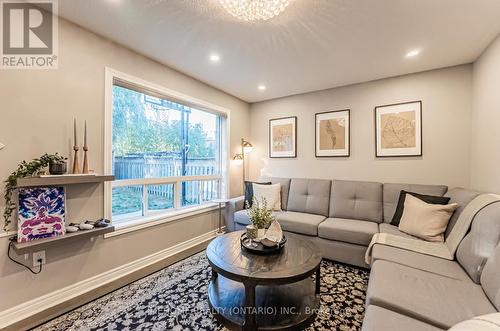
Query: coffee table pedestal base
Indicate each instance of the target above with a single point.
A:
(276, 307)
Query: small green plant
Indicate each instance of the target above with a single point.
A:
(24, 169)
(260, 215)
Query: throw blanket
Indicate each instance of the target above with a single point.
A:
(445, 250)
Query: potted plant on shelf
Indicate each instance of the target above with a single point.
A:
(58, 167)
(24, 169)
(260, 216)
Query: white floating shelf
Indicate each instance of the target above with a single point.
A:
(38, 244)
(63, 180)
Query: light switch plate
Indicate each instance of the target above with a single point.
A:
(2, 146)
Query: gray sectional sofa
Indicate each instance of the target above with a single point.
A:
(407, 290)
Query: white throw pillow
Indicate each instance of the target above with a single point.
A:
(425, 220)
(272, 194)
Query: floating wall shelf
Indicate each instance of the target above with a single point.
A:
(39, 244)
(63, 180)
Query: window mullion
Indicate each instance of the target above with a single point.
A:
(145, 197)
(177, 194)
(200, 191)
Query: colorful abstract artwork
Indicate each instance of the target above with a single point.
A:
(41, 213)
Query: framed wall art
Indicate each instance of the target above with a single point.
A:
(332, 131)
(283, 137)
(398, 129)
(41, 213)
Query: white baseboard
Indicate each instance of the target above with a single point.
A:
(37, 305)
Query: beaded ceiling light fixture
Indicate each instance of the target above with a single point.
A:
(254, 10)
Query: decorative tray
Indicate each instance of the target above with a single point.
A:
(259, 248)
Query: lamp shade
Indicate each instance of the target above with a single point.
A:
(238, 159)
(247, 147)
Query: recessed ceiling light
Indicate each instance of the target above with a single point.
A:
(262, 87)
(215, 58)
(413, 53)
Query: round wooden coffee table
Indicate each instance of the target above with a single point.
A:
(263, 292)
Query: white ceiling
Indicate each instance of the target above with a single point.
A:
(313, 45)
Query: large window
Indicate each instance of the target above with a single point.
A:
(166, 154)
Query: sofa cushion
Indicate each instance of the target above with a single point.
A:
(310, 196)
(356, 200)
(340, 251)
(302, 223)
(490, 278)
(348, 230)
(479, 244)
(429, 297)
(490, 322)
(394, 230)
(391, 193)
(381, 319)
(285, 188)
(415, 260)
(241, 217)
(461, 197)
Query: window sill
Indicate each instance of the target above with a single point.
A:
(149, 221)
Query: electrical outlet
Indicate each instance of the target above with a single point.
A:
(40, 255)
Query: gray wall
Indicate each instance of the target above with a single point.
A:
(485, 155)
(446, 97)
(37, 109)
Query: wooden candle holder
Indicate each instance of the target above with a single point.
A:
(85, 160)
(76, 163)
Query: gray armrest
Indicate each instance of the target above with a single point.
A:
(232, 206)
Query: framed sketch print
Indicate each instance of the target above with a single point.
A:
(332, 133)
(398, 129)
(283, 137)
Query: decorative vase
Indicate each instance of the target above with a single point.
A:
(261, 233)
(251, 231)
(57, 168)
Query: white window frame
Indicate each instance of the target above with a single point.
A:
(177, 212)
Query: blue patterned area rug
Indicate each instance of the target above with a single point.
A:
(175, 298)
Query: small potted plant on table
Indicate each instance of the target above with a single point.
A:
(261, 217)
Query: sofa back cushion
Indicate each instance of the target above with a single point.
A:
(392, 190)
(285, 188)
(478, 245)
(309, 196)
(462, 197)
(356, 200)
(490, 278)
